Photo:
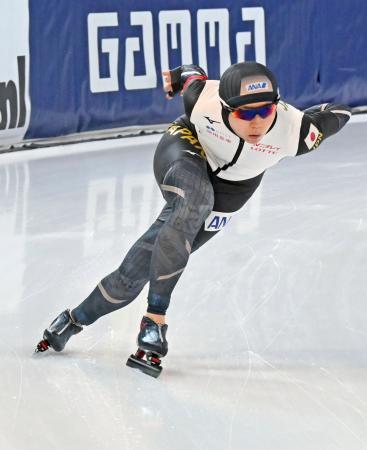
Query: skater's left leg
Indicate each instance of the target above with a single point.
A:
(115, 291)
(59, 332)
(123, 285)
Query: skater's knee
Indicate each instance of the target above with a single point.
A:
(189, 194)
(120, 287)
(200, 203)
(192, 213)
(202, 198)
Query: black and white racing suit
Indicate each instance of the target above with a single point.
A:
(206, 173)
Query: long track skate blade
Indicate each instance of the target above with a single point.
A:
(143, 366)
(42, 346)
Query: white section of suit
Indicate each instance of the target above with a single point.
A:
(221, 144)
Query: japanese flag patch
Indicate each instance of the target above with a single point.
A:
(313, 137)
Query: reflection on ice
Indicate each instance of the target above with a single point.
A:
(267, 325)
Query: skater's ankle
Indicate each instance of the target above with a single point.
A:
(157, 318)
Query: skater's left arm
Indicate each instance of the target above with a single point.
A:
(320, 122)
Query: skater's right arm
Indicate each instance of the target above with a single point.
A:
(188, 80)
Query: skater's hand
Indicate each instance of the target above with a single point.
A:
(167, 86)
(176, 80)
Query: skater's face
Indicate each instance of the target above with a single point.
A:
(252, 130)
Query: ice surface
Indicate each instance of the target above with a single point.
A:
(267, 326)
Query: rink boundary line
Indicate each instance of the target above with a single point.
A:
(358, 118)
(80, 148)
(96, 146)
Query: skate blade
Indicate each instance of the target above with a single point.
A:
(42, 346)
(144, 366)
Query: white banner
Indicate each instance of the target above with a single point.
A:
(14, 71)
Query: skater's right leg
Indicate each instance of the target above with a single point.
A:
(182, 175)
(181, 172)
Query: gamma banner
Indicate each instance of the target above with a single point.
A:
(70, 67)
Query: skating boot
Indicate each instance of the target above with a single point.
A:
(152, 345)
(59, 332)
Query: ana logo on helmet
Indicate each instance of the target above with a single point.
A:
(256, 86)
